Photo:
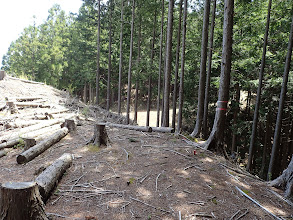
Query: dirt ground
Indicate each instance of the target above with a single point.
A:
(138, 175)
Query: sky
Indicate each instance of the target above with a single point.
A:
(17, 14)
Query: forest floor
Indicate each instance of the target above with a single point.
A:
(139, 175)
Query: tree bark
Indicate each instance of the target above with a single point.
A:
(258, 98)
(168, 65)
(12, 107)
(177, 65)
(181, 84)
(109, 57)
(209, 72)
(149, 101)
(235, 116)
(20, 201)
(216, 137)
(163, 129)
(100, 135)
(41, 147)
(98, 55)
(281, 105)
(285, 181)
(2, 74)
(160, 64)
(202, 75)
(48, 179)
(136, 101)
(120, 59)
(130, 64)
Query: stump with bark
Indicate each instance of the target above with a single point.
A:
(100, 135)
(70, 124)
(20, 201)
(12, 107)
(2, 74)
(48, 179)
(285, 181)
(36, 150)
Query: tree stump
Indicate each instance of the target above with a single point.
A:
(285, 181)
(28, 143)
(12, 107)
(100, 135)
(2, 74)
(20, 201)
(70, 124)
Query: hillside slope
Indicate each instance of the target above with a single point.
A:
(139, 175)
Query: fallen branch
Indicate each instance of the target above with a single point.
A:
(157, 181)
(127, 155)
(163, 210)
(257, 203)
(183, 155)
(282, 198)
(195, 166)
(241, 215)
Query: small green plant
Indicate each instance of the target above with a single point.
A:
(85, 111)
(20, 144)
(93, 148)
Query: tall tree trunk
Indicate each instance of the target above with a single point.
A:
(281, 105)
(209, 72)
(181, 84)
(160, 64)
(98, 55)
(150, 75)
(177, 65)
(130, 64)
(138, 61)
(109, 57)
(85, 93)
(136, 101)
(202, 76)
(235, 116)
(267, 142)
(216, 137)
(120, 59)
(258, 98)
(168, 65)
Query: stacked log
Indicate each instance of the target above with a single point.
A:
(36, 150)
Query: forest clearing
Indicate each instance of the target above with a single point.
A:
(133, 109)
(145, 175)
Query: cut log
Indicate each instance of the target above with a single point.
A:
(100, 135)
(2, 153)
(70, 124)
(21, 123)
(43, 124)
(131, 127)
(12, 107)
(36, 150)
(47, 180)
(22, 99)
(20, 201)
(285, 181)
(34, 134)
(2, 74)
(163, 129)
(31, 104)
(24, 80)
